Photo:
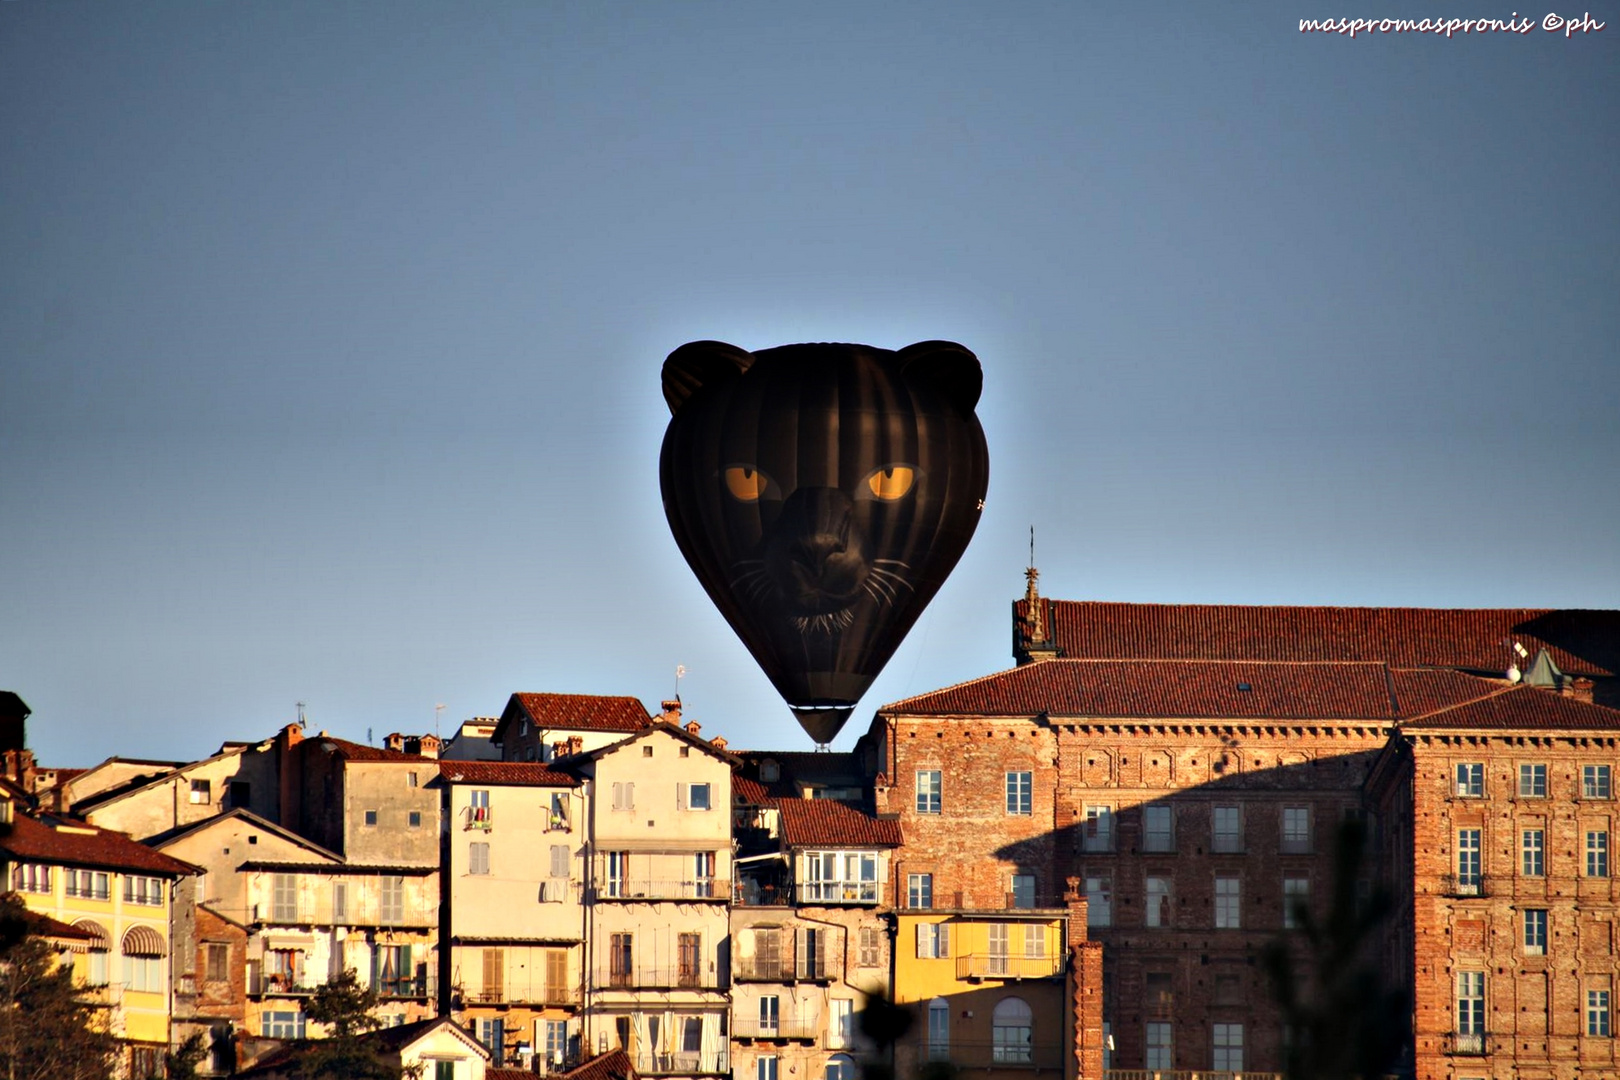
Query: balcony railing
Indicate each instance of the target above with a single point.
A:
(1466, 1043)
(998, 902)
(478, 817)
(997, 966)
(276, 985)
(1039, 1056)
(1187, 1074)
(661, 978)
(1465, 885)
(715, 1063)
(535, 994)
(786, 1028)
(841, 892)
(610, 888)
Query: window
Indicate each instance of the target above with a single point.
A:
(32, 877)
(217, 962)
(1296, 898)
(492, 1033)
(1296, 830)
(1157, 912)
(477, 857)
(697, 796)
(411, 779)
(1468, 864)
(371, 817)
(618, 871)
(765, 1067)
(1533, 852)
(1099, 901)
(559, 860)
(1595, 782)
(340, 901)
(646, 751)
(1158, 828)
(812, 953)
(1228, 837)
(1470, 780)
(392, 973)
(556, 984)
(770, 1014)
(1160, 1052)
(702, 874)
(689, 958)
(1019, 787)
(840, 1023)
(1471, 1007)
(284, 898)
(478, 807)
(240, 794)
(1535, 932)
(870, 950)
(933, 941)
(928, 783)
(1228, 909)
(88, 884)
(1023, 891)
(145, 957)
(840, 1067)
(1161, 995)
(1034, 941)
(1228, 1054)
(1010, 1030)
(392, 900)
(998, 952)
(143, 890)
(556, 1041)
(939, 1030)
(415, 819)
(1099, 831)
(202, 792)
(278, 1024)
(834, 876)
(919, 891)
(1597, 1013)
(620, 959)
(624, 795)
(1597, 854)
(1532, 781)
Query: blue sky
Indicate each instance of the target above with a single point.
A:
(330, 332)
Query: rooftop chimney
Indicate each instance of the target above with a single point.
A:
(692, 727)
(394, 741)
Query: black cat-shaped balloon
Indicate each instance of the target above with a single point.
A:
(822, 494)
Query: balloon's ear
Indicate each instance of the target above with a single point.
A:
(949, 367)
(700, 363)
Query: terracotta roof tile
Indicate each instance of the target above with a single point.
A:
(41, 925)
(354, 751)
(584, 712)
(1581, 642)
(77, 844)
(1170, 689)
(505, 773)
(827, 822)
(613, 1065)
(746, 789)
(1521, 707)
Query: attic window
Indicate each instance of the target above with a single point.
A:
(1244, 686)
(769, 772)
(646, 751)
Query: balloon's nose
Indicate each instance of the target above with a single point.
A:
(816, 553)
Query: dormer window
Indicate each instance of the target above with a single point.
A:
(769, 771)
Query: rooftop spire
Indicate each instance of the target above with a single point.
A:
(1031, 640)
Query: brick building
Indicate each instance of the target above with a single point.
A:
(1499, 814)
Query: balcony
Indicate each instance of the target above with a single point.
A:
(611, 888)
(693, 1063)
(1039, 1057)
(808, 969)
(661, 978)
(1465, 886)
(278, 985)
(840, 892)
(535, 994)
(1467, 1044)
(977, 966)
(1187, 1074)
(1003, 903)
(477, 817)
(786, 1029)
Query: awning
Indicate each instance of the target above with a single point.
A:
(144, 941)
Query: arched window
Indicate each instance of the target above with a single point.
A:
(840, 1067)
(144, 955)
(1010, 1031)
(939, 1030)
(97, 949)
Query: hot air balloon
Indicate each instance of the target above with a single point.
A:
(822, 494)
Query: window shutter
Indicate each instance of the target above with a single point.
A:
(407, 972)
(944, 940)
(559, 860)
(376, 965)
(630, 796)
(925, 943)
(618, 796)
(680, 796)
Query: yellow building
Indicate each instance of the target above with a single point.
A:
(987, 987)
(120, 893)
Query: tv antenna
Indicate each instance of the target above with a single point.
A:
(680, 673)
(437, 709)
(300, 714)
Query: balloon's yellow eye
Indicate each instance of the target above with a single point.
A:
(746, 483)
(892, 482)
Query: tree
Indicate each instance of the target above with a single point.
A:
(47, 1030)
(1347, 1024)
(181, 1064)
(345, 1007)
